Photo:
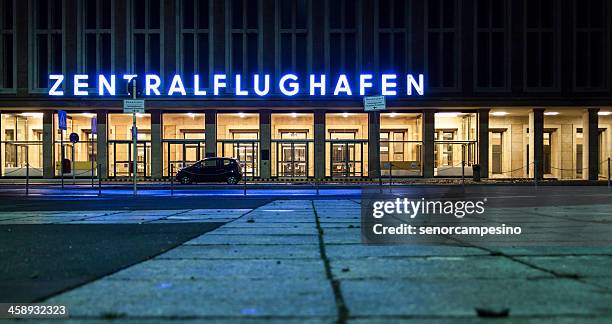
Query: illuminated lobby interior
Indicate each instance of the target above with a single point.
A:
(303, 144)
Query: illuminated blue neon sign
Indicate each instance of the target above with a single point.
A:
(315, 85)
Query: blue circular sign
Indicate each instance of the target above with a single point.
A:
(74, 138)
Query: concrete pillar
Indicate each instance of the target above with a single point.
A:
(210, 130)
(156, 158)
(102, 145)
(48, 165)
(428, 143)
(319, 144)
(374, 145)
(483, 141)
(536, 142)
(265, 130)
(590, 146)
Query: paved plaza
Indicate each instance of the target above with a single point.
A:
(303, 261)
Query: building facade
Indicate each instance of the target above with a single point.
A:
(521, 88)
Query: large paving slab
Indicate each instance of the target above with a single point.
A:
(201, 298)
(455, 267)
(543, 297)
(239, 252)
(163, 269)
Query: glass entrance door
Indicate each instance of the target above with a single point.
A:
(292, 159)
(346, 159)
(120, 159)
(181, 153)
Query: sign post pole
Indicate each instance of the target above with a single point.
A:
(134, 106)
(94, 130)
(72, 168)
(61, 120)
(134, 140)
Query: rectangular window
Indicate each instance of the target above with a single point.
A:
(342, 36)
(7, 45)
(442, 49)
(491, 44)
(146, 37)
(96, 37)
(541, 45)
(243, 38)
(195, 40)
(392, 28)
(292, 36)
(47, 52)
(591, 57)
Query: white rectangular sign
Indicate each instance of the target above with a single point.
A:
(374, 103)
(133, 106)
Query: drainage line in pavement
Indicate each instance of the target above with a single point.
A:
(343, 312)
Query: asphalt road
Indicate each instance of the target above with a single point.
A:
(120, 197)
(38, 261)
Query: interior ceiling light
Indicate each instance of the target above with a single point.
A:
(551, 113)
(448, 114)
(499, 113)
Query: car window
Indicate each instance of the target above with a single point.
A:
(226, 162)
(209, 163)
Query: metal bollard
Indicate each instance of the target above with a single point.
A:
(27, 179)
(99, 180)
(609, 185)
(171, 180)
(535, 173)
(244, 182)
(380, 185)
(390, 175)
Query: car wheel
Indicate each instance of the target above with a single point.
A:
(186, 180)
(232, 180)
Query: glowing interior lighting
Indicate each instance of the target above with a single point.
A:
(551, 113)
(241, 115)
(447, 114)
(393, 115)
(604, 113)
(345, 115)
(192, 115)
(31, 114)
(294, 115)
(88, 115)
(139, 115)
(499, 113)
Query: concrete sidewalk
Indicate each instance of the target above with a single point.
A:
(302, 260)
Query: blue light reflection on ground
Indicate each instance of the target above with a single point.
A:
(89, 193)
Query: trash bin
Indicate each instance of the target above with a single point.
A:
(66, 167)
(476, 172)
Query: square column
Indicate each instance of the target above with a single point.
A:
(48, 145)
(265, 129)
(374, 144)
(590, 137)
(483, 141)
(536, 142)
(319, 144)
(102, 146)
(210, 133)
(156, 145)
(428, 143)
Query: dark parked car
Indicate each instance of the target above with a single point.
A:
(211, 170)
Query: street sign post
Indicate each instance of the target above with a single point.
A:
(74, 138)
(374, 103)
(134, 106)
(63, 125)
